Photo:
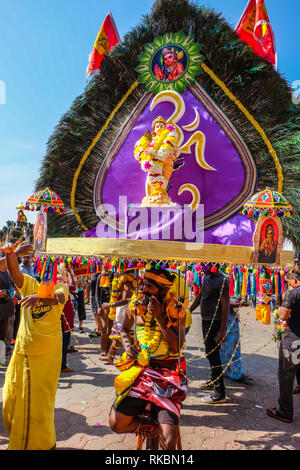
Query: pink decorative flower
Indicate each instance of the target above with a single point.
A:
(170, 127)
(147, 165)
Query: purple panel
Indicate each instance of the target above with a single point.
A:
(217, 188)
(160, 223)
(238, 230)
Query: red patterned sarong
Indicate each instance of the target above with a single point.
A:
(162, 384)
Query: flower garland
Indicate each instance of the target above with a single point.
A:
(150, 342)
(142, 148)
(113, 298)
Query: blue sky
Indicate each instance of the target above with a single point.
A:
(44, 50)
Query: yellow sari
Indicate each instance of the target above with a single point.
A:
(32, 376)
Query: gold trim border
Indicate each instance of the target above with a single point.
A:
(157, 249)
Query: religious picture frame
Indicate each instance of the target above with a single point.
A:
(267, 240)
(40, 232)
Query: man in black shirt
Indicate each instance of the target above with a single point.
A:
(214, 306)
(289, 352)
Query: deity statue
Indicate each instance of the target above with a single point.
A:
(156, 152)
(21, 220)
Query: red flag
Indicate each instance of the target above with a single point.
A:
(107, 38)
(255, 29)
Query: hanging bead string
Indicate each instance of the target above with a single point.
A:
(218, 344)
(231, 361)
(215, 313)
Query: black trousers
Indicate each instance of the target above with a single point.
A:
(298, 375)
(287, 369)
(17, 320)
(210, 330)
(66, 338)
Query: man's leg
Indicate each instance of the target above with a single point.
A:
(169, 436)
(210, 330)
(120, 423)
(104, 336)
(286, 376)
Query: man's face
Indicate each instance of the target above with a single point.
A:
(150, 289)
(26, 260)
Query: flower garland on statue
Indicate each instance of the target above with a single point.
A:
(144, 149)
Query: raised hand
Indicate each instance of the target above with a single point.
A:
(23, 249)
(154, 307)
(10, 247)
(29, 301)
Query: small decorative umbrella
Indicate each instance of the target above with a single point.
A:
(47, 199)
(268, 202)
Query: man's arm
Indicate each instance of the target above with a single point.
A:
(171, 335)
(284, 313)
(31, 300)
(131, 349)
(126, 295)
(93, 295)
(287, 304)
(224, 318)
(21, 250)
(196, 302)
(12, 264)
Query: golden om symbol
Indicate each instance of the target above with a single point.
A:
(197, 139)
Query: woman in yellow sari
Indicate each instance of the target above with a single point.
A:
(32, 376)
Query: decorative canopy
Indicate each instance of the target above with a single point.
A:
(266, 202)
(47, 199)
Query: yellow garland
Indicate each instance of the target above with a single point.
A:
(116, 286)
(161, 139)
(149, 344)
(113, 298)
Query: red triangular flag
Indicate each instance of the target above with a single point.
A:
(107, 38)
(255, 29)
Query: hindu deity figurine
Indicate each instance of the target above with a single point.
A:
(156, 152)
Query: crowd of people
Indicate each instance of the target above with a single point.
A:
(144, 320)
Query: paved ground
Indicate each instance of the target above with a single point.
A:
(84, 399)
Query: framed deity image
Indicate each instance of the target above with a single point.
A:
(40, 232)
(268, 240)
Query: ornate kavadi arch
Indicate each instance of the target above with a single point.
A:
(227, 111)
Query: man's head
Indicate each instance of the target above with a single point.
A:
(26, 260)
(157, 282)
(293, 279)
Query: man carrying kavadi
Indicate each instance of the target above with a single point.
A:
(153, 369)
